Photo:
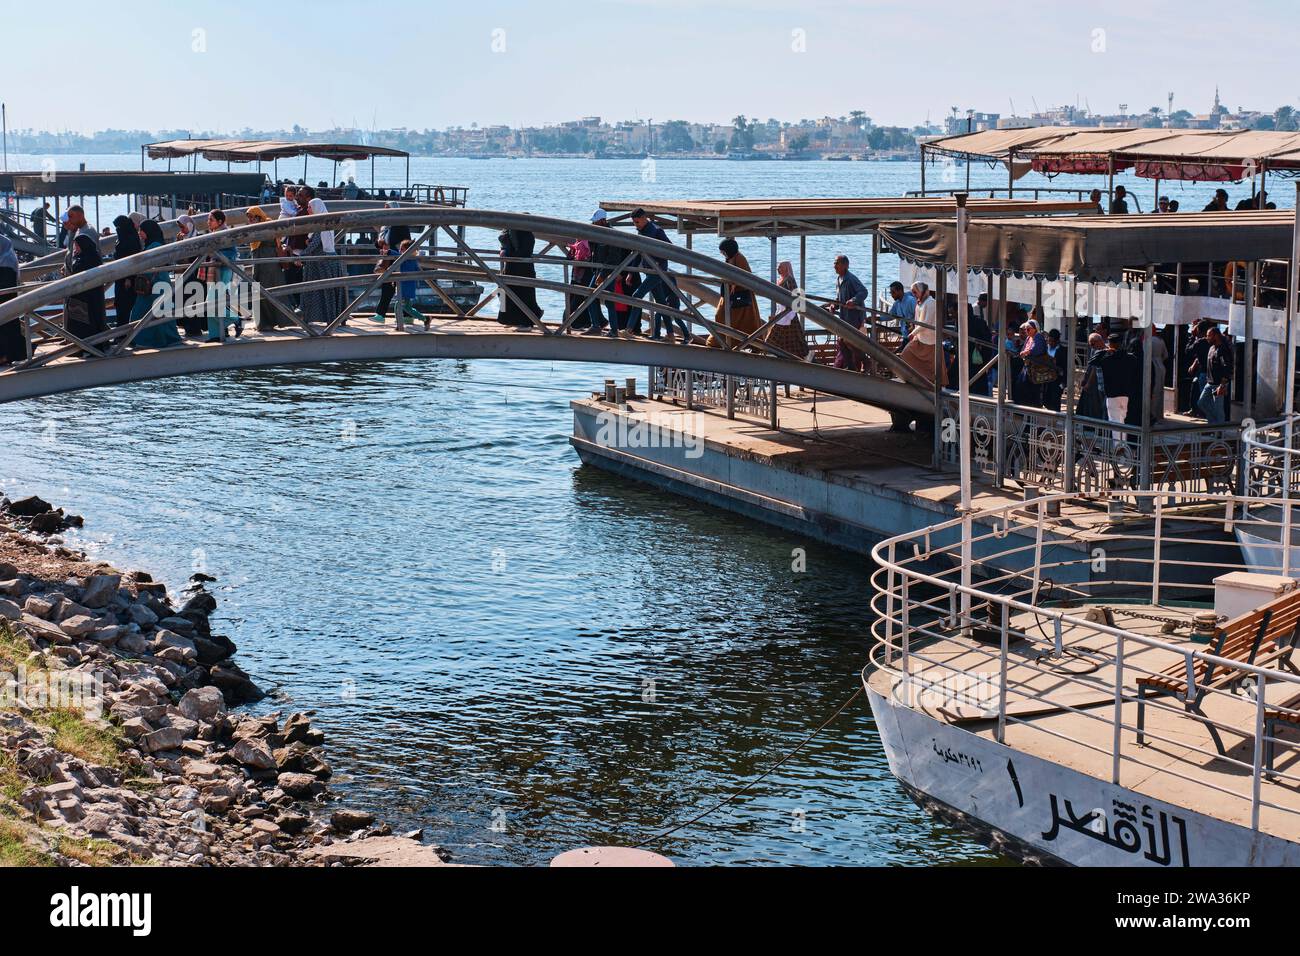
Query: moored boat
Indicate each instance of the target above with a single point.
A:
(1095, 707)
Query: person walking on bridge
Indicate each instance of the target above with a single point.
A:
(850, 305)
(736, 307)
(919, 351)
(322, 305)
(13, 348)
(164, 334)
(40, 217)
(655, 285)
(128, 244)
(518, 302)
(83, 313)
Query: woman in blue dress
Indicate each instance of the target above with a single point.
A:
(164, 334)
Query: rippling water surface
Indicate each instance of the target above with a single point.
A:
(515, 652)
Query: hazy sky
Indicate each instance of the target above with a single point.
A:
(433, 64)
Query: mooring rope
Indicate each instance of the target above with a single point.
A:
(753, 783)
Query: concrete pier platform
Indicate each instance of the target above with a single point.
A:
(832, 470)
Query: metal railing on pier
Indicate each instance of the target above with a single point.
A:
(1029, 445)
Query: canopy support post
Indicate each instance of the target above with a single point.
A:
(963, 404)
(1068, 320)
(940, 293)
(875, 272)
(1000, 333)
(1148, 308)
(1248, 394)
(1288, 428)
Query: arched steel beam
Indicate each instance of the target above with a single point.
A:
(345, 346)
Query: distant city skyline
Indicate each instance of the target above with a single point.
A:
(404, 64)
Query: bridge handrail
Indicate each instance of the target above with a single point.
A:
(644, 250)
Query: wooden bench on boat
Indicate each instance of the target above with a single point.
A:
(1274, 720)
(1263, 637)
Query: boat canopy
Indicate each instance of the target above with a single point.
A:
(251, 151)
(1094, 248)
(130, 183)
(807, 217)
(1195, 155)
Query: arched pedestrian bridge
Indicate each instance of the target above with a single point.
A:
(448, 246)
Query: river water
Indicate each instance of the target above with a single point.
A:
(519, 654)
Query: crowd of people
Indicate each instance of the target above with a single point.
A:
(309, 257)
(1119, 202)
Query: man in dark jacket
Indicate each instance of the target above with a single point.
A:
(654, 285)
(1217, 394)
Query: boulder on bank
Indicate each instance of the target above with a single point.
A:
(29, 507)
(236, 686)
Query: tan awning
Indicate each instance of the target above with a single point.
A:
(1095, 248)
(996, 143)
(248, 151)
(1166, 153)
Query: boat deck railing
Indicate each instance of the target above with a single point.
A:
(1269, 452)
(1045, 623)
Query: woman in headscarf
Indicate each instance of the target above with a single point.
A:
(266, 269)
(517, 244)
(163, 334)
(744, 308)
(787, 333)
(128, 244)
(191, 320)
(220, 291)
(12, 346)
(321, 305)
(83, 313)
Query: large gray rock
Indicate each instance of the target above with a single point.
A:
(12, 587)
(133, 643)
(298, 729)
(203, 703)
(164, 738)
(253, 753)
(300, 785)
(100, 589)
(29, 507)
(141, 614)
(68, 608)
(10, 611)
(79, 625)
(42, 605)
(106, 635)
(236, 686)
(166, 638)
(189, 728)
(345, 821)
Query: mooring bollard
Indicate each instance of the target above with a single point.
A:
(631, 386)
(609, 390)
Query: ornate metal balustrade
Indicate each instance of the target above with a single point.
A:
(749, 396)
(1107, 456)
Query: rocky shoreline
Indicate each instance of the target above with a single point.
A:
(121, 741)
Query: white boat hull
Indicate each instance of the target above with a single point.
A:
(1050, 812)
